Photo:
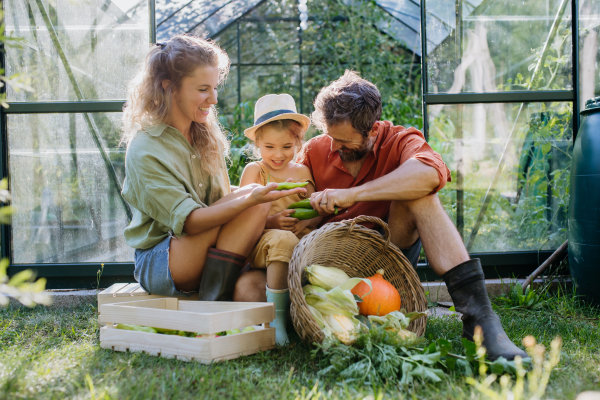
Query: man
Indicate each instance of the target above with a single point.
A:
(370, 167)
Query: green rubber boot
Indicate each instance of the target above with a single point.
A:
(281, 298)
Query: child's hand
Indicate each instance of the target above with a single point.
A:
(282, 220)
(299, 227)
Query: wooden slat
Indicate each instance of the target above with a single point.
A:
(140, 292)
(171, 303)
(126, 291)
(235, 345)
(218, 306)
(112, 290)
(155, 313)
(189, 349)
(159, 302)
(153, 343)
(124, 299)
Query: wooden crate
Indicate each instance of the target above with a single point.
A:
(120, 292)
(208, 317)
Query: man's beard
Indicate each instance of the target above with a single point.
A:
(356, 155)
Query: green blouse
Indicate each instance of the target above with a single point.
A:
(164, 183)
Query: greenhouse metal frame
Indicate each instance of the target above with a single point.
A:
(504, 264)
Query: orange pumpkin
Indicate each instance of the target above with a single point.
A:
(382, 300)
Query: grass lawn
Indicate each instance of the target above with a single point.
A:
(55, 353)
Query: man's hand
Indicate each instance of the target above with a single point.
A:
(325, 202)
(282, 221)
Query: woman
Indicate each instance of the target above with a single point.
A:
(190, 233)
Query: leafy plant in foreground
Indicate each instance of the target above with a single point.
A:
(21, 286)
(537, 378)
(381, 357)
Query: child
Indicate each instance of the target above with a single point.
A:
(277, 134)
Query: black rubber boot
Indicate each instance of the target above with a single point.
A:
(466, 285)
(221, 271)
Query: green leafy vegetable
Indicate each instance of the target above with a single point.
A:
(379, 356)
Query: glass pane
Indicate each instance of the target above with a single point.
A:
(405, 24)
(223, 18)
(227, 40)
(589, 56)
(527, 204)
(271, 42)
(276, 9)
(68, 210)
(76, 50)
(174, 17)
(228, 93)
(262, 80)
(497, 45)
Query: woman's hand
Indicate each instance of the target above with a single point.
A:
(282, 221)
(264, 194)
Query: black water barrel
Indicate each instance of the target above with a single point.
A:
(584, 205)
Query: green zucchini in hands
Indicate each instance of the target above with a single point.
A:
(305, 205)
(304, 213)
(301, 204)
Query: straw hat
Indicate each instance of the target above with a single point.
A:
(273, 107)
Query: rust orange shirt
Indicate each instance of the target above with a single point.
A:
(394, 146)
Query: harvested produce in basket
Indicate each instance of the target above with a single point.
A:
(397, 322)
(334, 302)
(312, 289)
(290, 185)
(325, 277)
(344, 328)
(304, 213)
(383, 299)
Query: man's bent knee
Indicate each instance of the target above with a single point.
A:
(251, 287)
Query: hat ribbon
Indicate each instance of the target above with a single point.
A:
(272, 114)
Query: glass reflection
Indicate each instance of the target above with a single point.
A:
(490, 46)
(76, 50)
(510, 168)
(67, 208)
(589, 57)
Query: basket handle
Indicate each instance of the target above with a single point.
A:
(367, 218)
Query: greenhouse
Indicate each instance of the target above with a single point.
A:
(499, 90)
(494, 96)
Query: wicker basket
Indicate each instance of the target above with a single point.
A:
(359, 252)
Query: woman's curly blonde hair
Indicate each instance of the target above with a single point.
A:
(148, 103)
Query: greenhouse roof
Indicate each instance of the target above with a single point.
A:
(212, 17)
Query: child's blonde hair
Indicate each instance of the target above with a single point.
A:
(148, 103)
(294, 128)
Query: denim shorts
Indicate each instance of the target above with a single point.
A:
(412, 253)
(152, 270)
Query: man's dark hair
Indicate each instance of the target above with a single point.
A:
(349, 99)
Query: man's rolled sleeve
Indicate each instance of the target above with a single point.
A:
(416, 147)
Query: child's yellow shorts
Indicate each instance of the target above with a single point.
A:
(274, 245)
